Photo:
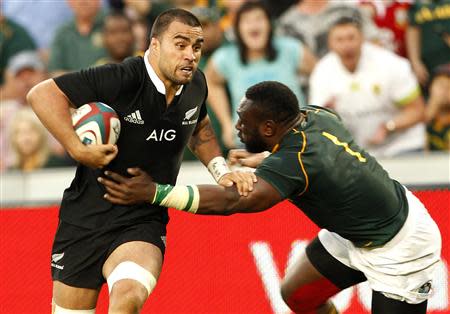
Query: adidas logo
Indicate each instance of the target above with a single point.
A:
(134, 117)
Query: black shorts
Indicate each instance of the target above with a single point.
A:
(78, 254)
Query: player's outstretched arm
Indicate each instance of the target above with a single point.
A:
(216, 200)
(201, 199)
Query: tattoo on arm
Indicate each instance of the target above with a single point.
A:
(203, 134)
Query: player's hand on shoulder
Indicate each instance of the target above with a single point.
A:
(244, 181)
(138, 188)
(95, 156)
(241, 157)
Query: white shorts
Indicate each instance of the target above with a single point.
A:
(402, 266)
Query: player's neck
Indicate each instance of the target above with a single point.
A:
(285, 130)
(170, 87)
(170, 93)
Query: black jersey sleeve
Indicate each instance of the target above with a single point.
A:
(103, 83)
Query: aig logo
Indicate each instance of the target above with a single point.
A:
(162, 135)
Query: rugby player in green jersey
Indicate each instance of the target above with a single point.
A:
(373, 228)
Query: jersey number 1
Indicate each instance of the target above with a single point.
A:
(336, 141)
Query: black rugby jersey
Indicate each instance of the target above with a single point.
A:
(338, 185)
(153, 136)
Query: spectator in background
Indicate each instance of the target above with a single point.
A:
(212, 32)
(29, 141)
(227, 20)
(141, 34)
(78, 44)
(310, 21)
(40, 19)
(374, 91)
(213, 37)
(118, 38)
(391, 18)
(140, 13)
(438, 110)
(185, 4)
(428, 37)
(256, 56)
(13, 39)
(23, 71)
(278, 7)
(134, 9)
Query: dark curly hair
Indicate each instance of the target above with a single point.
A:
(275, 101)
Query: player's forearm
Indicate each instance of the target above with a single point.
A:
(203, 142)
(202, 199)
(52, 108)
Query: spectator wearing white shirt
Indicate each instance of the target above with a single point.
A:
(372, 89)
(310, 20)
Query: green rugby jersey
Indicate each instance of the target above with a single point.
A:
(339, 186)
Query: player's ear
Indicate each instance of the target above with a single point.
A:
(268, 128)
(154, 44)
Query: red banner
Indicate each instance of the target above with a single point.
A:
(212, 264)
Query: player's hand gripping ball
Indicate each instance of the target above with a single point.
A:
(96, 123)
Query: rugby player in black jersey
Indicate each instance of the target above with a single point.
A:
(373, 228)
(160, 100)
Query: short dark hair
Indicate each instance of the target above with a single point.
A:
(270, 51)
(348, 20)
(163, 21)
(116, 14)
(275, 101)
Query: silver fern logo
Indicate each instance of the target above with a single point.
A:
(55, 259)
(188, 116)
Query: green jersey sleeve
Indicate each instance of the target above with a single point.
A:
(284, 170)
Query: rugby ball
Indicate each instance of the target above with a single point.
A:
(96, 123)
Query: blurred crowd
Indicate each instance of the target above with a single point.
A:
(383, 65)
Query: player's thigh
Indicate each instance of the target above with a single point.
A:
(142, 244)
(317, 263)
(145, 254)
(73, 298)
(299, 274)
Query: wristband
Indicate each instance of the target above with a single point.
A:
(218, 167)
(185, 198)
